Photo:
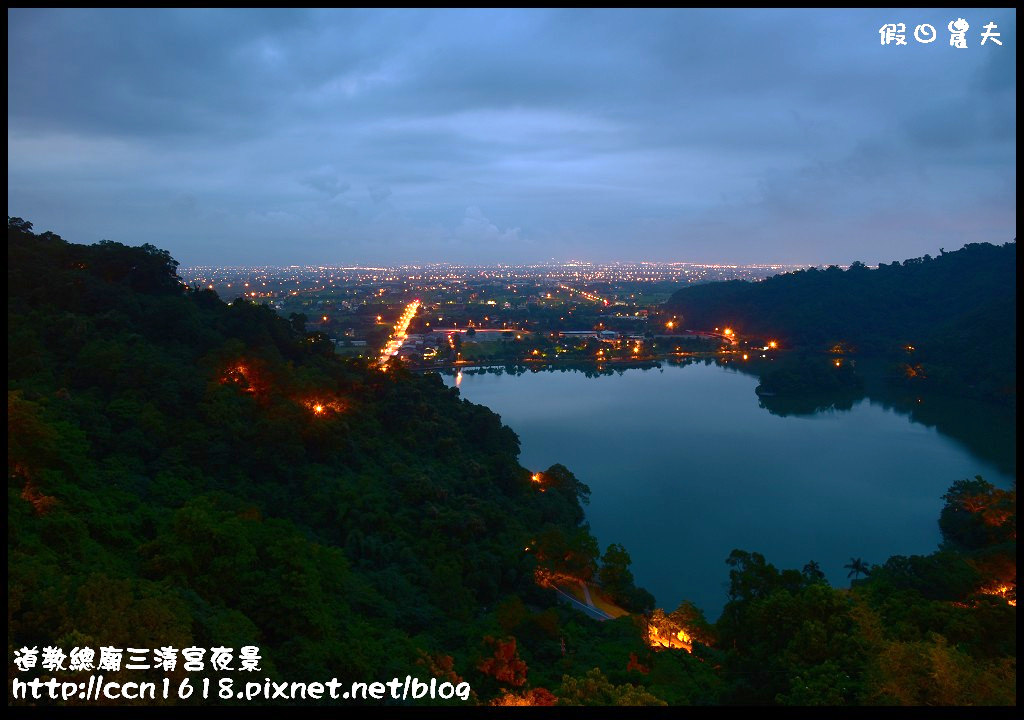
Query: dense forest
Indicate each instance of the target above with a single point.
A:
(182, 471)
(948, 323)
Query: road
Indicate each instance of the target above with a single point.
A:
(589, 296)
(589, 609)
(398, 336)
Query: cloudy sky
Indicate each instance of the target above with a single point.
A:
(339, 137)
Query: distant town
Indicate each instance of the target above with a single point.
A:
(448, 315)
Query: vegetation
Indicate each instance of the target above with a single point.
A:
(808, 375)
(183, 471)
(946, 323)
(186, 472)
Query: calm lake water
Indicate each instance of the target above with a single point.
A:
(684, 465)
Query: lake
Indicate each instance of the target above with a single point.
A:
(684, 465)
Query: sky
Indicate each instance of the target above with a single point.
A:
(251, 137)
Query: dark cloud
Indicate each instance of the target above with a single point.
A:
(503, 135)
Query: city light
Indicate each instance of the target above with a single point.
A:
(398, 337)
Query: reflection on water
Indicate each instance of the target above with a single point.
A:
(686, 463)
(813, 404)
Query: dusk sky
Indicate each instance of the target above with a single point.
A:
(388, 137)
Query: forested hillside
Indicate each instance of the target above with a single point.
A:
(953, 315)
(187, 471)
(183, 471)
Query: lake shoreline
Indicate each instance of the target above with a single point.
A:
(712, 458)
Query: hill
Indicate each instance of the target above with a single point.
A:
(188, 472)
(948, 321)
(185, 473)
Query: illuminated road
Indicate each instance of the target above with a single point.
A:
(398, 336)
(589, 296)
(590, 610)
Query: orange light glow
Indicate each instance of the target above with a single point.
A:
(398, 337)
(1006, 592)
(540, 697)
(243, 376)
(914, 371)
(41, 503)
(677, 630)
(773, 344)
(321, 407)
(727, 331)
(679, 640)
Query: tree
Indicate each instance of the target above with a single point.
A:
(614, 574)
(573, 553)
(297, 321)
(967, 350)
(504, 665)
(16, 224)
(978, 515)
(540, 697)
(812, 571)
(857, 568)
(596, 689)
